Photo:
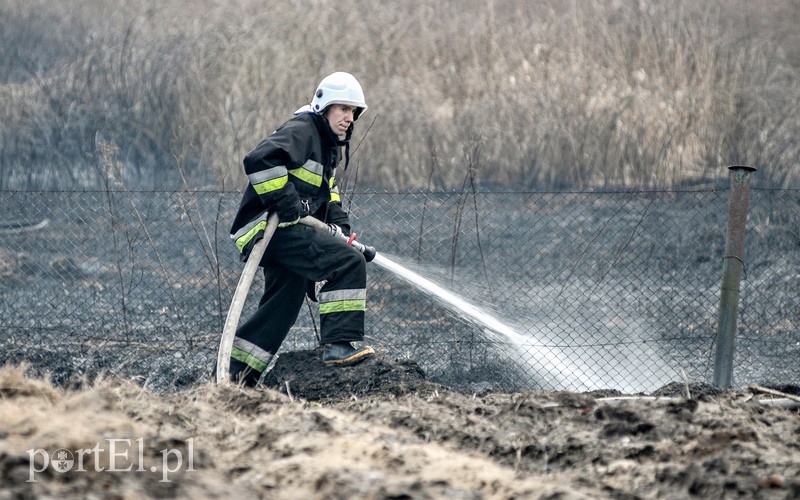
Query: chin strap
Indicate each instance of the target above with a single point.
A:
(346, 144)
(346, 155)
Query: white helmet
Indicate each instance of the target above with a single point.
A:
(339, 88)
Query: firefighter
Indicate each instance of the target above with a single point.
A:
(293, 173)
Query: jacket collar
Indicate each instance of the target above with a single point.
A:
(328, 137)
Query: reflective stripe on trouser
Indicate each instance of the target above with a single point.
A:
(250, 354)
(341, 307)
(295, 256)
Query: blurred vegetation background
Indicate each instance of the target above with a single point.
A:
(581, 94)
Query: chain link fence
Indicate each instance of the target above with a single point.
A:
(606, 290)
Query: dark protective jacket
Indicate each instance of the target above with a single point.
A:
(291, 172)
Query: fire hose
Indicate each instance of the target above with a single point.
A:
(368, 251)
(246, 279)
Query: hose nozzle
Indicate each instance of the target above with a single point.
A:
(369, 253)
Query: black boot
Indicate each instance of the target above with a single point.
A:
(344, 354)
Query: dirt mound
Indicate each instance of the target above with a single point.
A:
(302, 374)
(383, 432)
(233, 442)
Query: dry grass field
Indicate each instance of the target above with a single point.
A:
(545, 94)
(405, 439)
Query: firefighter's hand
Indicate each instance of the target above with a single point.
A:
(336, 231)
(289, 223)
(288, 213)
(288, 207)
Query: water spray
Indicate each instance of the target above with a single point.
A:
(539, 355)
(546, 357)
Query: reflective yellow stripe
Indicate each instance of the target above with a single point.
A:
(250, 348)
(352, 300)
(248, 359)
(243, 240)
(334, 192)
(310, 172)
(271, 185)
(343, 306)
(271, 179)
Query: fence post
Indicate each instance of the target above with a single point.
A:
(732, 267)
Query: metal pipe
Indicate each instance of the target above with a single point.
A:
(732, 268)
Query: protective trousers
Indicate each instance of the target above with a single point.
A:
(296, 257)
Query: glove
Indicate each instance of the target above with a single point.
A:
(336, 231)
(287, 205)
(288, 223)
(288, 213)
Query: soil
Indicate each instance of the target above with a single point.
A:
(382, 430)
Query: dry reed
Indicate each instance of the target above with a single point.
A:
(580, 95)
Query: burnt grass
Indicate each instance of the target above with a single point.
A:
(623, 287)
